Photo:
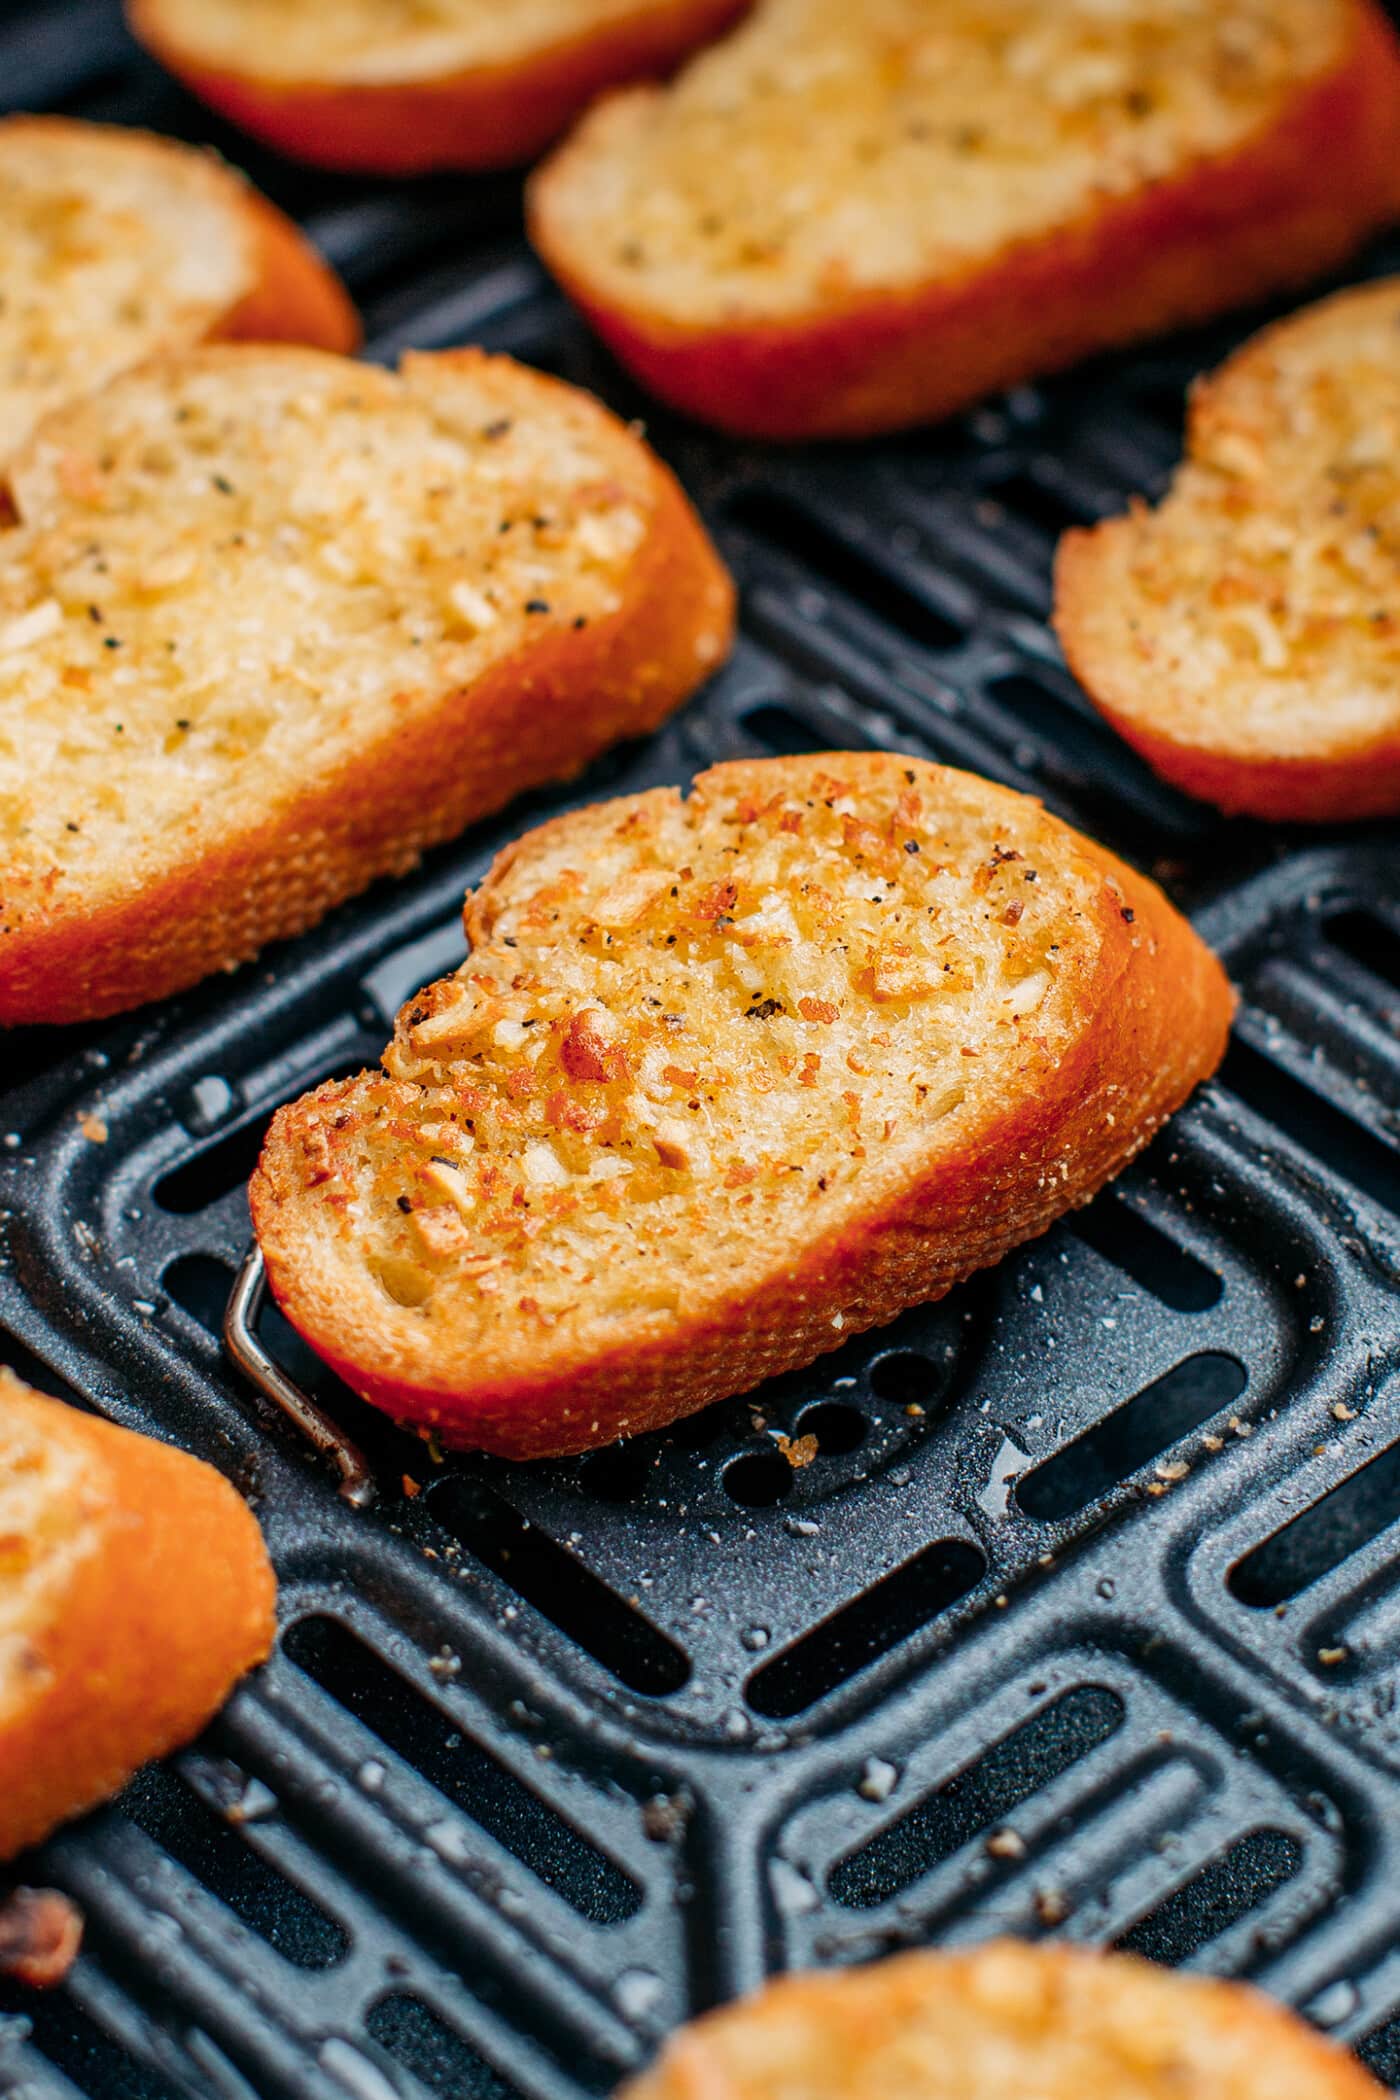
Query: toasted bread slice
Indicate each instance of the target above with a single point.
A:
(1001, 2023)
(272, 621)
(1245, 635)
(116, 245)
(722, 1082)
(848, 219)
(134, 1592)
(395, 91)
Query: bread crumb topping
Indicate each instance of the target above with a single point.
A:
(702, 1024)
(1256, 611)
(824, 150)
(234, 572)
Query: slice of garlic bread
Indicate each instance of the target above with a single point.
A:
(848, 219)
(116, 245)
(397, 90)
(722, 1082)
(272, 621)
(1001, 2023)
(134, 1592)
(1245, 635)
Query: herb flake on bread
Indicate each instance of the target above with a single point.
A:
(272, 622)
(723, 1081)
(1244, 634)
(849, 219)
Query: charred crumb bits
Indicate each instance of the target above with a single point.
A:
(41, 1931)
(764, 1010)
(537, 605)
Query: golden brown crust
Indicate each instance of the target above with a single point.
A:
(1241, 635)
(168, 1600)
(540, 713)
(997, 2023)
(1278, 211)
(1150, 1020)
(487, 117)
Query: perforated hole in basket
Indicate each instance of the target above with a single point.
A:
(1367, 1158)
(210, 1847)
(1218, 1897)
(1134, 1433)
(467, 1776)
(616, 1634)
(1340, 1523)
(977, 1798)
(425, 2045)
(886, 1614)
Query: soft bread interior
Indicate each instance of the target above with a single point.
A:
(1256, 612)
(368, 43)
(234, 572)
(113, 245)
(824, 151)
(50, 1487)
(691, 1036)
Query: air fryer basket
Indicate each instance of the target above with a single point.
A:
(1085, 1619)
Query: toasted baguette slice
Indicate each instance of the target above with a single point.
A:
(395, 91)
(116, 245)
(723, 1082)
(848, 219)
(1245, 635)
(134, 1592)
(271, 622)
(1003, 2022)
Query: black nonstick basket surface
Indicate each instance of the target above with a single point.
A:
(1084, 1621)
